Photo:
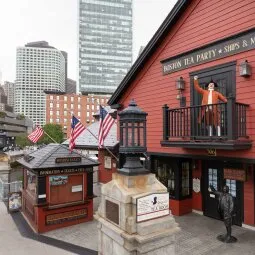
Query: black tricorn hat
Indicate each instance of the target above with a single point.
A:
(215, 84)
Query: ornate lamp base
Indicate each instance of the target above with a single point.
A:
(226, 239)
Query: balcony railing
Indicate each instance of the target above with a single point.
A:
(215, 122)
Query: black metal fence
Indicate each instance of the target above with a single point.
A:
(223, 120)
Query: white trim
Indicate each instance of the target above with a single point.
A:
(197, 212)
(248, 227)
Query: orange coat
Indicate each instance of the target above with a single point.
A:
(216, 96)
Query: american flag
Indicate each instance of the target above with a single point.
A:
(77, 129)
(105, 124)
(36, 134)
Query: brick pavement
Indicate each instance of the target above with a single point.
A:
(197, 237)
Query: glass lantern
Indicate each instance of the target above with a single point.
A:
(132, 129)
(245, 69)
(132, 139)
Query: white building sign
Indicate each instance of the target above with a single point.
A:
(152, 206)
(196, 185)
(107, 162)
(77, 188)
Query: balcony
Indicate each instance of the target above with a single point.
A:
(220, 126)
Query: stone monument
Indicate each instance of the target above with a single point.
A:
(133, 216)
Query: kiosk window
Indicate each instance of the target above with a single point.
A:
(31, 183)
(66, 189)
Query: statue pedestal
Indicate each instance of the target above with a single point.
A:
(120, 231)
(224, 239)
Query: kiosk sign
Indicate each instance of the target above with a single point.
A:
(152, 206)
(14, 202)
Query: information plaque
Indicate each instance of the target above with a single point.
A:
(112, 211)
(152, 206)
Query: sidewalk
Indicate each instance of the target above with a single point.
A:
(197, 237)
(16, 238)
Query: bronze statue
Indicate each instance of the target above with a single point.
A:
(226, 210)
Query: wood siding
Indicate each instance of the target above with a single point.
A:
(204, 22)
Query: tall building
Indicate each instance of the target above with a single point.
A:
(3, 102)
(39, 67)
(70, 86)
(105, 44)
(9, 89)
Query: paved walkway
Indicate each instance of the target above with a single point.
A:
(197, 237)
(17, 238)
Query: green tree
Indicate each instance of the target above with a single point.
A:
(22, 141)
(2, 114)
(20, 116)
(53, 130)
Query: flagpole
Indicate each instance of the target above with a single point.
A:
(96, 138)
(103, 145)
(50, 137)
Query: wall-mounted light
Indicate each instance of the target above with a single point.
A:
(180, 86)
(245, 69)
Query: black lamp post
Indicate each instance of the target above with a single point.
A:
(132, 139)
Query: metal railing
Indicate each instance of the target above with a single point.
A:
(224, 120)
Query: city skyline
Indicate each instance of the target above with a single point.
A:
(61, 29)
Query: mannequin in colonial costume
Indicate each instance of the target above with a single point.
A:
(210, 112)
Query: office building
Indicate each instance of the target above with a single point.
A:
(70, 86)
(39, 67)
(9, 89)
(61, 106)
(105, 44)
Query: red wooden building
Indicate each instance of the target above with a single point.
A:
(57, 188)
(214, 40)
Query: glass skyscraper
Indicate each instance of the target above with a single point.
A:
(105, 44)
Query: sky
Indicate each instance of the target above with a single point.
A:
(55, 21)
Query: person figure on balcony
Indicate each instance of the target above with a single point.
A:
(211, 113)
